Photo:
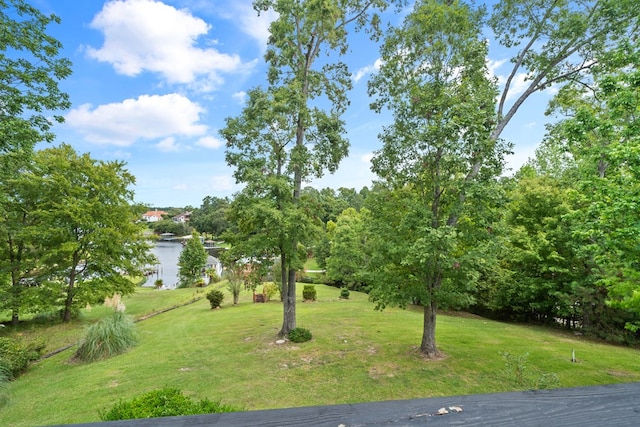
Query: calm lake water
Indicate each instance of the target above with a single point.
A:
(167, 254)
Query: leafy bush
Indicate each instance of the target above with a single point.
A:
(4, 379)
(309, 293)
(270, 290)
(299, 335)
(306, 279)
(15, 356)
(165, 402)
(517, 370)
(215, 298)
(158, 283)
(108, 337)
(344, 293)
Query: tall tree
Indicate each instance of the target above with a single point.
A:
(298, 81)
(434, 80)
(347, 249)
(87, 225)
(192, 261)
(30, 99)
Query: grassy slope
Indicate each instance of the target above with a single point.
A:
(356, 355)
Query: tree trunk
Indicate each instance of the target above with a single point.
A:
(289, 317)
(428, 345)
(15, 317)
(66, 317)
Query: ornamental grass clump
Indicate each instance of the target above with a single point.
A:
(113, 335)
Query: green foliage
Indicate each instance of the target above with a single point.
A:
(517, 370)
(164, 402)
(347, 254)
(85, 227)
(213, 275)
(344, 293)
(235, 287)
(309, 293)
(110, 336)
(158, 283)
(170, 226)
(31, 73)
(270, 290)
(192, 261)
(16, 356)
(299, 335)
(211, 216)
(215, 298)
(5, 376)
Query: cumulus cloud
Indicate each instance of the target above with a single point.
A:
(168, 145)
(364, 71)
(256, 27)
(210, 142)
(147, 117)
(240, 97)
(148, 35)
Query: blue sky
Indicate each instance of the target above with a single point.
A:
(154, 80)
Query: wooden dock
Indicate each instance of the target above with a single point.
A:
(610, 405)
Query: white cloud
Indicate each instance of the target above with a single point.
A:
(210, 142)
(148, 35)
(366, 158)
(147, 117)
(367, 70)
(256, 27)
(240, 97)
(168, 145)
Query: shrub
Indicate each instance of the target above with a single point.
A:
(344, 293)
(270, 290)
(165, 402)
(517, 370)
(158, 283)
(215, 298)
(299, 335)
(305, 279)
(4, 379)
(108, 337)
(309, 293)
(16, 356)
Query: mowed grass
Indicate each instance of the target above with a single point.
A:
(357, 354)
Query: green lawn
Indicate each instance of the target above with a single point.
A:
(356, 355)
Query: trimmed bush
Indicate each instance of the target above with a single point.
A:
(166, 402)
(215, 298)
(15, 356)
(270, 290)
(108, 337)
(299, 335)
(309, 293)
(344, 293)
